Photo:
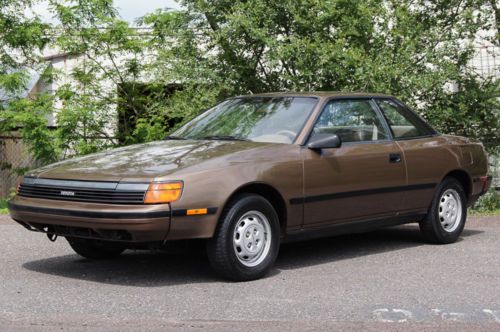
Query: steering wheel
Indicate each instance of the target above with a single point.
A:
(290, 134)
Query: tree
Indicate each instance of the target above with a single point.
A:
(22, 39)
(108, 79)
(411, 49)
(136, 84)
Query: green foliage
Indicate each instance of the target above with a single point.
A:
(137, 85)
(32, 114)
(29, 117)
(81, 129)
(3, 202)
(475, 113)
(185, 104)
(3, 207)
(407, 48)
(22, 39)
(108, 82)
(489, 202)
(149, 129)
(82, 123)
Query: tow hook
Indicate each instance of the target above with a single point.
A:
(52, 237)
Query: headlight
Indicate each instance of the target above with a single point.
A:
(163, 192)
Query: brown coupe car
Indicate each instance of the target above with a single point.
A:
(255, 171)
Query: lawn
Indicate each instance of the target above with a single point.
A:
(3, 206)
(484, 213)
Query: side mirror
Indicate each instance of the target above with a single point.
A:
(329, 142)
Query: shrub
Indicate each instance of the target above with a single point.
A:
(490, 202)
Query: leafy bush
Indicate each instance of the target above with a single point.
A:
(3, 206)
(490, 202)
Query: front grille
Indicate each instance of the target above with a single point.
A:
(84, 191)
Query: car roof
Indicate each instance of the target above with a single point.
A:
(318, 94)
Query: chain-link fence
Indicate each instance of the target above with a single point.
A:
(13, 159)
(487, 64)
(495, 171)
(487, 61)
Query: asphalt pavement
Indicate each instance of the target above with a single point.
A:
(384, 280)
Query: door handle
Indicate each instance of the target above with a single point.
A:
(394, 158)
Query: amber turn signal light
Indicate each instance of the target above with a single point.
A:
(163, 192)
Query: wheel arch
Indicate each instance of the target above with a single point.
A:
(268, 192)
(463, 177)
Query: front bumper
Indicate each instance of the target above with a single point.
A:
(126, 223)
(112, 222)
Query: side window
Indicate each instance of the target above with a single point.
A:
(403, 123)
(351, 120)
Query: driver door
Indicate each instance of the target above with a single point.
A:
(361, 179)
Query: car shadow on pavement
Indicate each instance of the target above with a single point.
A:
(140, 268)
(331, 249)
(157, 269)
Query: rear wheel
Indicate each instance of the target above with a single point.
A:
(246, 242)
(446, 217)
(95, 249)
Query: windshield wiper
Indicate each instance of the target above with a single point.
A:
(171, 137)
(223, 138)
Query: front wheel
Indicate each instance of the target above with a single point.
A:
(446, 217)
(246, 242)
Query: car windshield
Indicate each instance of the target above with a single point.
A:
(259, 119)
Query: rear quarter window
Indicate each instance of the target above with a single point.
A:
(404, 123)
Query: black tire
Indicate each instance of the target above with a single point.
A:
(431, 227)
(94, 249)
(222, 251)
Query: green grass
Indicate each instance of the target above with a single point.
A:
(485, 213)
(3, 207)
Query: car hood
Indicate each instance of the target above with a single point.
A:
(146, 161)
